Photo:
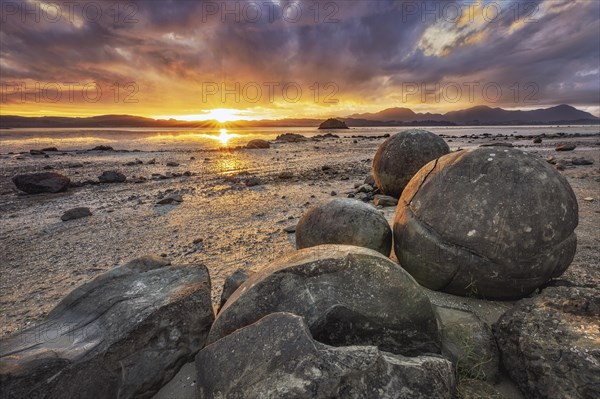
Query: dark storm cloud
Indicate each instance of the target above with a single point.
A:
(369, 48)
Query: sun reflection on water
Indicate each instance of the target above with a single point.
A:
(224, 136)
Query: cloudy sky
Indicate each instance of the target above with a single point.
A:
(275, 59)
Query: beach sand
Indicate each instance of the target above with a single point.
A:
(221, 223)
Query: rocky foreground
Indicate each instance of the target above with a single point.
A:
(225, 210)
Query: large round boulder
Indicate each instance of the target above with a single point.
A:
(491, 222)
(402, 155)
(344, 221)
(347, 295)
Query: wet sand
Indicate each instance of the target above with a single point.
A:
(222, 222)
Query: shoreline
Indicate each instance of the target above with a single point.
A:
(223, 222)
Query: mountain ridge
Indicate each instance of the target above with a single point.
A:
(397, 116)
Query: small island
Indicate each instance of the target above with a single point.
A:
(333, 123)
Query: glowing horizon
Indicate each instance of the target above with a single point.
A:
(372, 55)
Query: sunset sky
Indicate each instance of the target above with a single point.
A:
(279, 59)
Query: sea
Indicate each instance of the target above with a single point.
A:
(173, 139)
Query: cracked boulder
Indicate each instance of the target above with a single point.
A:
(122, 335)
(348, 296)
(492, 222)
(345, 221)
(550, 344)
(277, 357)
(402, 155)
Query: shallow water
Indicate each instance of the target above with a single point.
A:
(169, 139)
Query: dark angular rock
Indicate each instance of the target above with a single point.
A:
(364, 188)
(277, 357)
(344, 221)
(550, 344)
(232, 283)
(76, 213)
(537, 140)
(50, 149)
(112, 176)
(45, 182)
(103, 148)
(566, 147)
(370, 180)
(347, 295)
(37, 152)
(402, 155)
(582, 161)
(252, 181)
(171, 199)
(124, 334)
(257, 144)
(285, 175)
(481, 223)
(385, 200)
(291, 138)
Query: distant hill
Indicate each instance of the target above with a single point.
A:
(399, 115)
(480, 115)
(10, 121)
(484, 115)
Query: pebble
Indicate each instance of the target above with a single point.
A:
(290, 229)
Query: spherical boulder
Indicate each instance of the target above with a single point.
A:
(347, 295)
(491, 222)
(402, 155)
(344, 221)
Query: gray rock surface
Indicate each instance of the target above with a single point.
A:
(402, 155)
(257, 144)
(385, 200)
(76, 213)
(348, 296)
(469, 344)
(45, 182)
(124, 334)
(112, 176)
(550, 344)
(232, 283)
(344, 221)
(482, 223)
(277, 357)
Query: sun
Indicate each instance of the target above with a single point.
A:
(220, 115)
(223, 114)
